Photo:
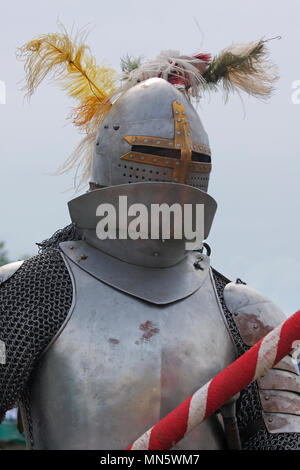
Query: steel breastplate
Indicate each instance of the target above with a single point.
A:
(120, 364)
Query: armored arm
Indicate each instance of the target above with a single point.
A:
(268, 411)
(35, 298)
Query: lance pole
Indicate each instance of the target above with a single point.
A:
(214, 394)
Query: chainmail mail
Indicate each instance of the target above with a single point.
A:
(34, 303)
(68, 233)
(220, 282)
(249, 409)
(263, 440)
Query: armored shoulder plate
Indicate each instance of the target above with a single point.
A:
(279, 390)
(8, 270)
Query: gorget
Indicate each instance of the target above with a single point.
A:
(124, 263)
(148, 252)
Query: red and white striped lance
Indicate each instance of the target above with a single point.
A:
(209, 398)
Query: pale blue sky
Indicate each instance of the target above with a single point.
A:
(255, 177)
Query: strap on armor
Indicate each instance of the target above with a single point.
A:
(228, 412)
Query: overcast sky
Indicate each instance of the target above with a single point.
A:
(255, 177)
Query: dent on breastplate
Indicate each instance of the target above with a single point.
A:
(279, 389)
(155, 285)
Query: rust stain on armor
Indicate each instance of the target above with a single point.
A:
(278, 380)
(82, 258)
(279, 422)
(149, 329)
(251, 328)
(278, 401)
(113, 341)
(275, 422)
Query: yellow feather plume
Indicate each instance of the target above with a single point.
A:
(81, 159)
(69, 62)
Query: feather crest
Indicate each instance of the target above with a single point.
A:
(69, 63)
(243, 67)
(128, 64)
(81, 159)
(173, 67)
(58, 57)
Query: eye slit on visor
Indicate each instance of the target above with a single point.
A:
(170, 153)
(200, 157)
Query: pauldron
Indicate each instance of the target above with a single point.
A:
(268, 411)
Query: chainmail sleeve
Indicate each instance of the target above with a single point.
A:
(34, 303)
(253, 432)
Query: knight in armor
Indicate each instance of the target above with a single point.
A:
(104, 337)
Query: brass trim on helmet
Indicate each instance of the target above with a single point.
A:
(182, 142)
(147, 141)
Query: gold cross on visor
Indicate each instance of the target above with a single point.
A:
(186, 157)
